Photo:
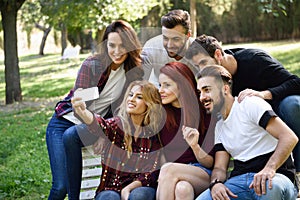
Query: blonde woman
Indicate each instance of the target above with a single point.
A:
(130, 160)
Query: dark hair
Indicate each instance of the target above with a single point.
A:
(176, 17)
(203, 44)
(129, 40)
(220, 73)
(182, 75)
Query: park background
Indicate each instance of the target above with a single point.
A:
(44, 28)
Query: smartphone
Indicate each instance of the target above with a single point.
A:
(87, 94)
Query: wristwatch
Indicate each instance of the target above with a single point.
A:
(212, 184)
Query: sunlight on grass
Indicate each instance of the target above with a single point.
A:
(287, 52)
(44, 76)
(271, 47)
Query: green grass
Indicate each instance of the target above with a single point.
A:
(43, 77)
(24, 165)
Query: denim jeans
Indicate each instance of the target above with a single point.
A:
(74, 139)
(208, 171)
(289, 112)
(282, 188)
(54, 133)
(140, 193)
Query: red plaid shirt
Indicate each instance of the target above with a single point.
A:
(94, 73)
(91, 73)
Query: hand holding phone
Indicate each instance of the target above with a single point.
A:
(87, 94)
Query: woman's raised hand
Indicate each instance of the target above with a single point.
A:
(191, 135)
(79, 108)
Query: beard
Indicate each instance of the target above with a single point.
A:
(218, 106)
(179, 53)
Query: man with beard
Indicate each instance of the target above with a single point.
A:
(169, 46)
(250, 132)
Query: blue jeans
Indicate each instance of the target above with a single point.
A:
(289, 112)
(208, 171)
(140, 193)
(282, 188)
(74, 139)
(54, 133)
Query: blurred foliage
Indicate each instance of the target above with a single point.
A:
(232, 20)
(84, 14)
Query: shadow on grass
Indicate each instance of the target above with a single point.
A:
(31, 57)
(47, 70)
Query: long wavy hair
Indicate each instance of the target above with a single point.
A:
(153, 116)
(130, 42)
(192, 109)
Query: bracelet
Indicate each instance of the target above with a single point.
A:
(212, 184)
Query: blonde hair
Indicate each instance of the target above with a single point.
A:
(153, 116)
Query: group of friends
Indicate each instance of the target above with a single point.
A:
(172, 114)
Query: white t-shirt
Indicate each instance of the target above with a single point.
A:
(111, 91)
(155, 57)
(241, 134)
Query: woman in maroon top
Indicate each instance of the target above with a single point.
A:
(131, 156)
(188, 167)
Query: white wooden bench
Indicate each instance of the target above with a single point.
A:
(91, 172)
(71, 52)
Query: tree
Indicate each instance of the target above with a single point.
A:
(31, 17)
(46, 31)
(92, 14)
(193, 13)
(9, 10)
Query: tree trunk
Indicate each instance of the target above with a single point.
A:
(13, 90)
(45, 35)
(64, 36)
(193, 13)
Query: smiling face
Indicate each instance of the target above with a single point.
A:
(174, 40)
(116, 50)
(200, 60)
(211, 96)
(168, 91)
(135, 101)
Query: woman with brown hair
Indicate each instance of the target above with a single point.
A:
(117, 64)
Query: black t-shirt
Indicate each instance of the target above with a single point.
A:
(259, 71)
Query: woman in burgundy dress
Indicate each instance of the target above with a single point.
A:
(189, 161)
